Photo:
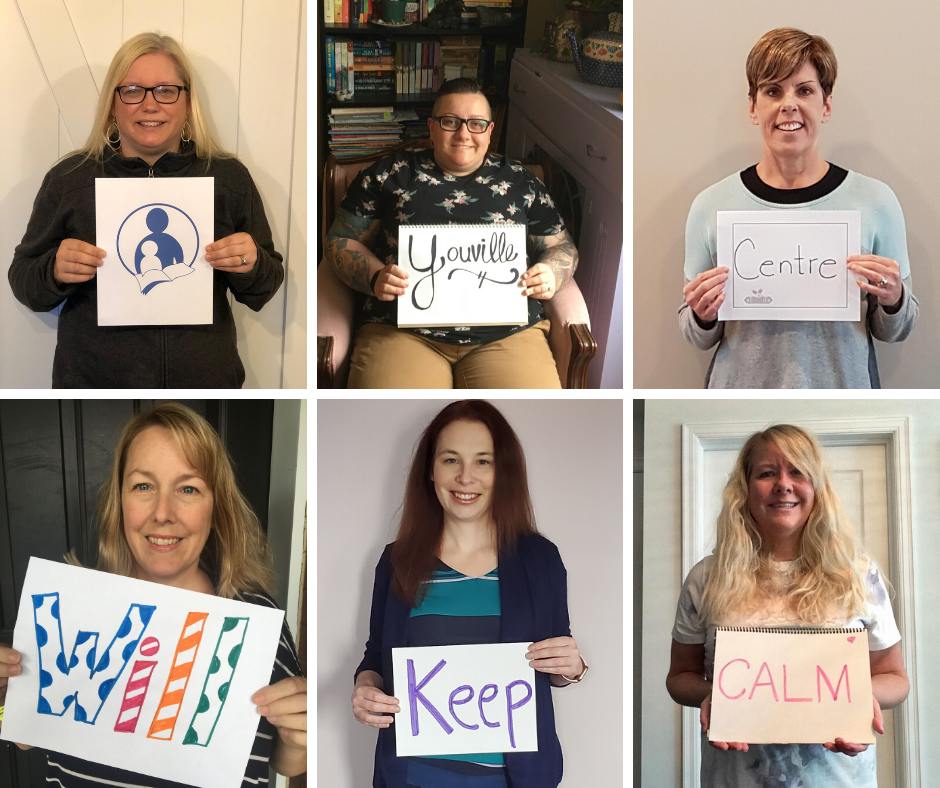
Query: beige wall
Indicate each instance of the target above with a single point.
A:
(248, 56)
(660, 558)
(691, 130)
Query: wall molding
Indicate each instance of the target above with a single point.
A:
(893, 433)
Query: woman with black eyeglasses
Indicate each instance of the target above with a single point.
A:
(149, 122)
(456, 182)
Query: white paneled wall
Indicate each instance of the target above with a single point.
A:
(250, 63)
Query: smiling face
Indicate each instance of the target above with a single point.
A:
(790, 112)
(464, 471)
(779, 496)
(460, 152)
(150, 129)
(167, 511)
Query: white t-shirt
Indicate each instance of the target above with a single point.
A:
(782, 765)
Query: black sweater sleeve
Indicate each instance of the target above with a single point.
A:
(34, 258)
(259, 285)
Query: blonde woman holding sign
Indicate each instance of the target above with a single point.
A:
(784, 557)
(171, 513)
(790, 80)
(149, 122)
(468, 567)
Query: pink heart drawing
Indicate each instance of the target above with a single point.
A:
(851, 639)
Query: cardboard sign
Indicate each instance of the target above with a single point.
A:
(791, 687)
(464, 699)
(789, 265)
(462, 275)
(154, 231)
(139, 675)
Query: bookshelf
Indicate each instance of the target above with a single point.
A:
(494, 76)
(493, 47)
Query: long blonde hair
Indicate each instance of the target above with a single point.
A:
(147, 44)
(236, 556)
(830, 565)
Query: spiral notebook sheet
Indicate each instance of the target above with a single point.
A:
(791, 686)
(462, 275)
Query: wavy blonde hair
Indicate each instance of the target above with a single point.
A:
(147, 44)
(236, 555)
(829, 579)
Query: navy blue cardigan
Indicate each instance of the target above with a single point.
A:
(533, 595)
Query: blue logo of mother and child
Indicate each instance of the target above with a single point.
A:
(157, 243)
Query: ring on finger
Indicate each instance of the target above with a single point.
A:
(244, 259)
(883, 282)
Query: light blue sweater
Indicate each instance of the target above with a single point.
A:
(800, 354)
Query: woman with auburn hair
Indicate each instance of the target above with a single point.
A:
(790, 78)
(149, 122)
(468, 566)
(171, 513)
(785, 556)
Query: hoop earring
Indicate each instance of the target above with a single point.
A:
(183, 136)
(113, 138)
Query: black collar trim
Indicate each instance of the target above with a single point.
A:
(829, 182)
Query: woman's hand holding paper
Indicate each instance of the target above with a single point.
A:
(370, 705)
(284, 703)
(882, 277)
(76, 262)
(391, 282)
(705, 294)
(850, 749)
(538, 282)
(236, 253)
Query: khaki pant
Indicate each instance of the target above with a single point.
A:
(387, 357)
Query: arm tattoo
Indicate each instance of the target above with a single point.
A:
(347, 249)
(558, 252)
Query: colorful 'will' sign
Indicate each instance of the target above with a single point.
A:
(138, 675)
(789, 265)
(791, 686)
(464, 699)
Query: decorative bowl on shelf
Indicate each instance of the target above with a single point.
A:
(599, 57)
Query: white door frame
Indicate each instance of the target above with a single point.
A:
(892, 433)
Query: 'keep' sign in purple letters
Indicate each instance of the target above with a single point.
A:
(464, 699)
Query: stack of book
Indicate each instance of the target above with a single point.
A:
(374, 65)
(417, 67)
(344, 12)
(460, 57)
(363, 131)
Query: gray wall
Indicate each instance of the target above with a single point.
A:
(575, 464)
(691, 129)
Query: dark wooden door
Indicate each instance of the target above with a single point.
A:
(54, 456)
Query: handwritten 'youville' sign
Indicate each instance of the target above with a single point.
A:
(791, 687)
(789, 265)
(462, 275)
(464, 699)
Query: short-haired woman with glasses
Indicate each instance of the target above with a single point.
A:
(149, 122)
(456, 182)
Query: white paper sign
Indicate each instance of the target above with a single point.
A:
(462, 275)
(791, 688)
(464, 699)
(138, 675)
(789, 265)
(154, 231)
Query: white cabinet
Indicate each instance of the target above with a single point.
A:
(580, 126)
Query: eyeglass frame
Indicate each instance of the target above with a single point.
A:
(151, 90)
(463, 122)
